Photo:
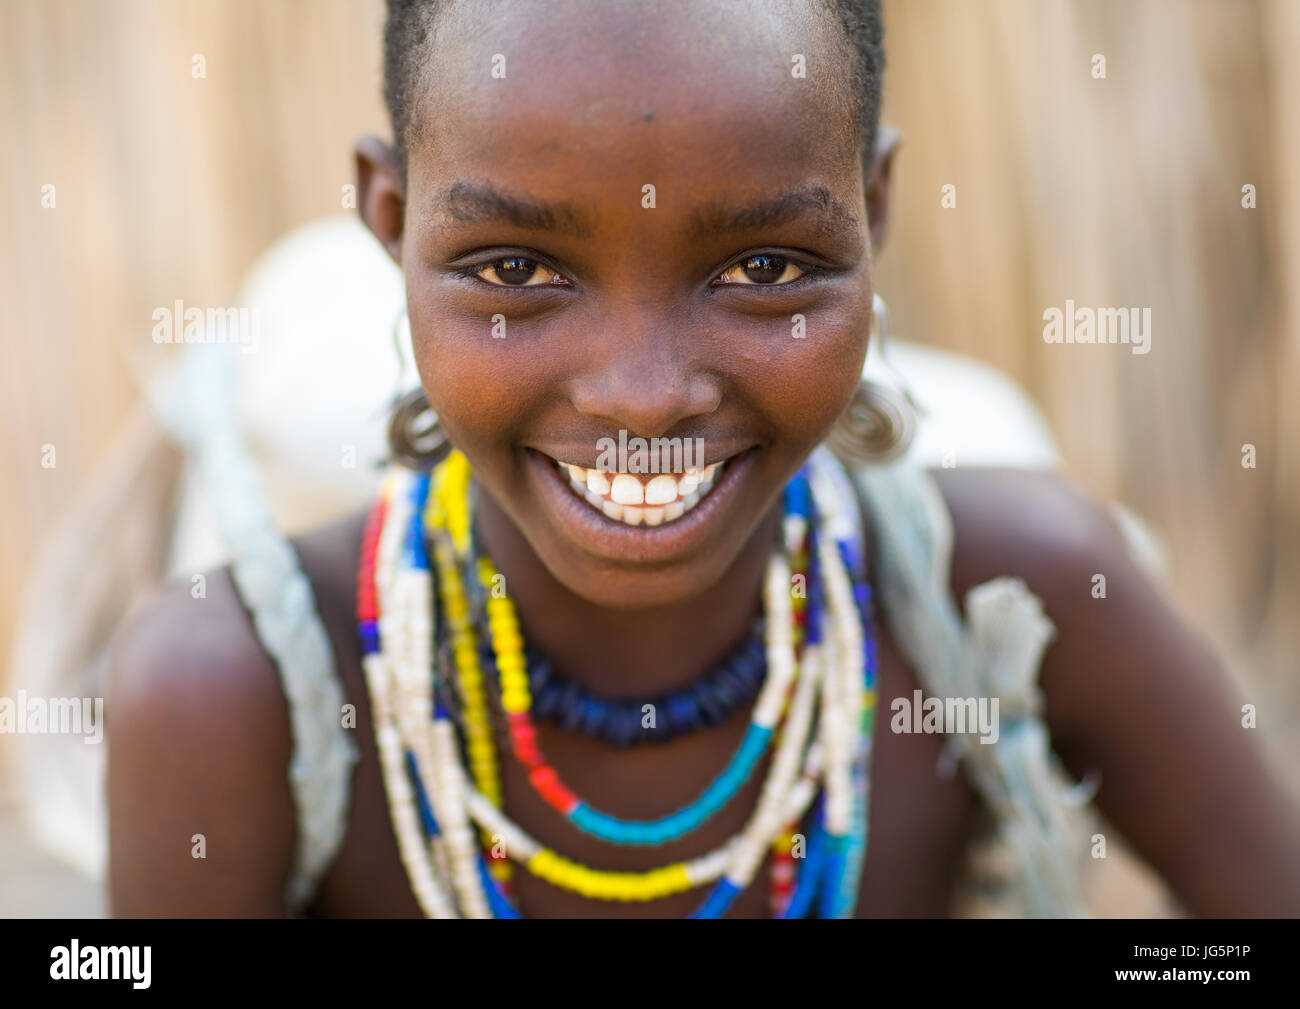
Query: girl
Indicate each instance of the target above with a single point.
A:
(571, 686)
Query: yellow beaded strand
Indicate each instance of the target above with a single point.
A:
(507, 644)
(600, 884)
(447, 517)
(469, 676)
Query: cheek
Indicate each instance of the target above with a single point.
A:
(803, 382)
(477, 383)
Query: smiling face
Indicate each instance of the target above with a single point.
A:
(557, 300)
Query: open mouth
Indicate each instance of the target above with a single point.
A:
(641, 498)
(602, 525)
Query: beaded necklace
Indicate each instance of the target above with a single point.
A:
(826, 682)
(507, 643)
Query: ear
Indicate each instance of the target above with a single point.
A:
(878, 182)
(379, 187)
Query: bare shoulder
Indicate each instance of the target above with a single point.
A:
(1068, 549)
(1135, 695)
(1031, 523)
(201, 814)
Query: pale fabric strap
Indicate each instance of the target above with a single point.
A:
(995, 652)
(198, 404)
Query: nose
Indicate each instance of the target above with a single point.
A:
(645, 376)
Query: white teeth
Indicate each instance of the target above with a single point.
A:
(660, 491)
(596, 482)
(627, 490)
(623, 497)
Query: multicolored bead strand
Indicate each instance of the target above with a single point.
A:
(767, 819)
(450, 486)
(851, 543)
(419, 860)
(797, 502)
(430, 733)
(847, 841)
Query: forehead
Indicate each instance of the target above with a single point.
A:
(598, 89)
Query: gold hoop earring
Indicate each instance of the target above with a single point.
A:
(879, 424)
(415, 438)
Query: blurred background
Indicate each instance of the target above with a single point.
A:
(1125, 190)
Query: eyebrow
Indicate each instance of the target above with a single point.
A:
(781, 209)
(477, 201)
(474, 201)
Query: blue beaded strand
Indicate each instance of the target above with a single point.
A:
(812, 871)
(416, 551)
(498, 903)
(711, 700)
(670, 827)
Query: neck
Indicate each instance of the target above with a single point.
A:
(620, 653)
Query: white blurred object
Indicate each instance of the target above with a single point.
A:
(315, 389)
(974, 415)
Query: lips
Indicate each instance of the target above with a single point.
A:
(641, 499)
(591, 531)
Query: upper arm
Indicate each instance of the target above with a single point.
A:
(199, 745)
(1132, 694)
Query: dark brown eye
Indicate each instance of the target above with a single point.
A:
(517, 271)
(764, 269)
